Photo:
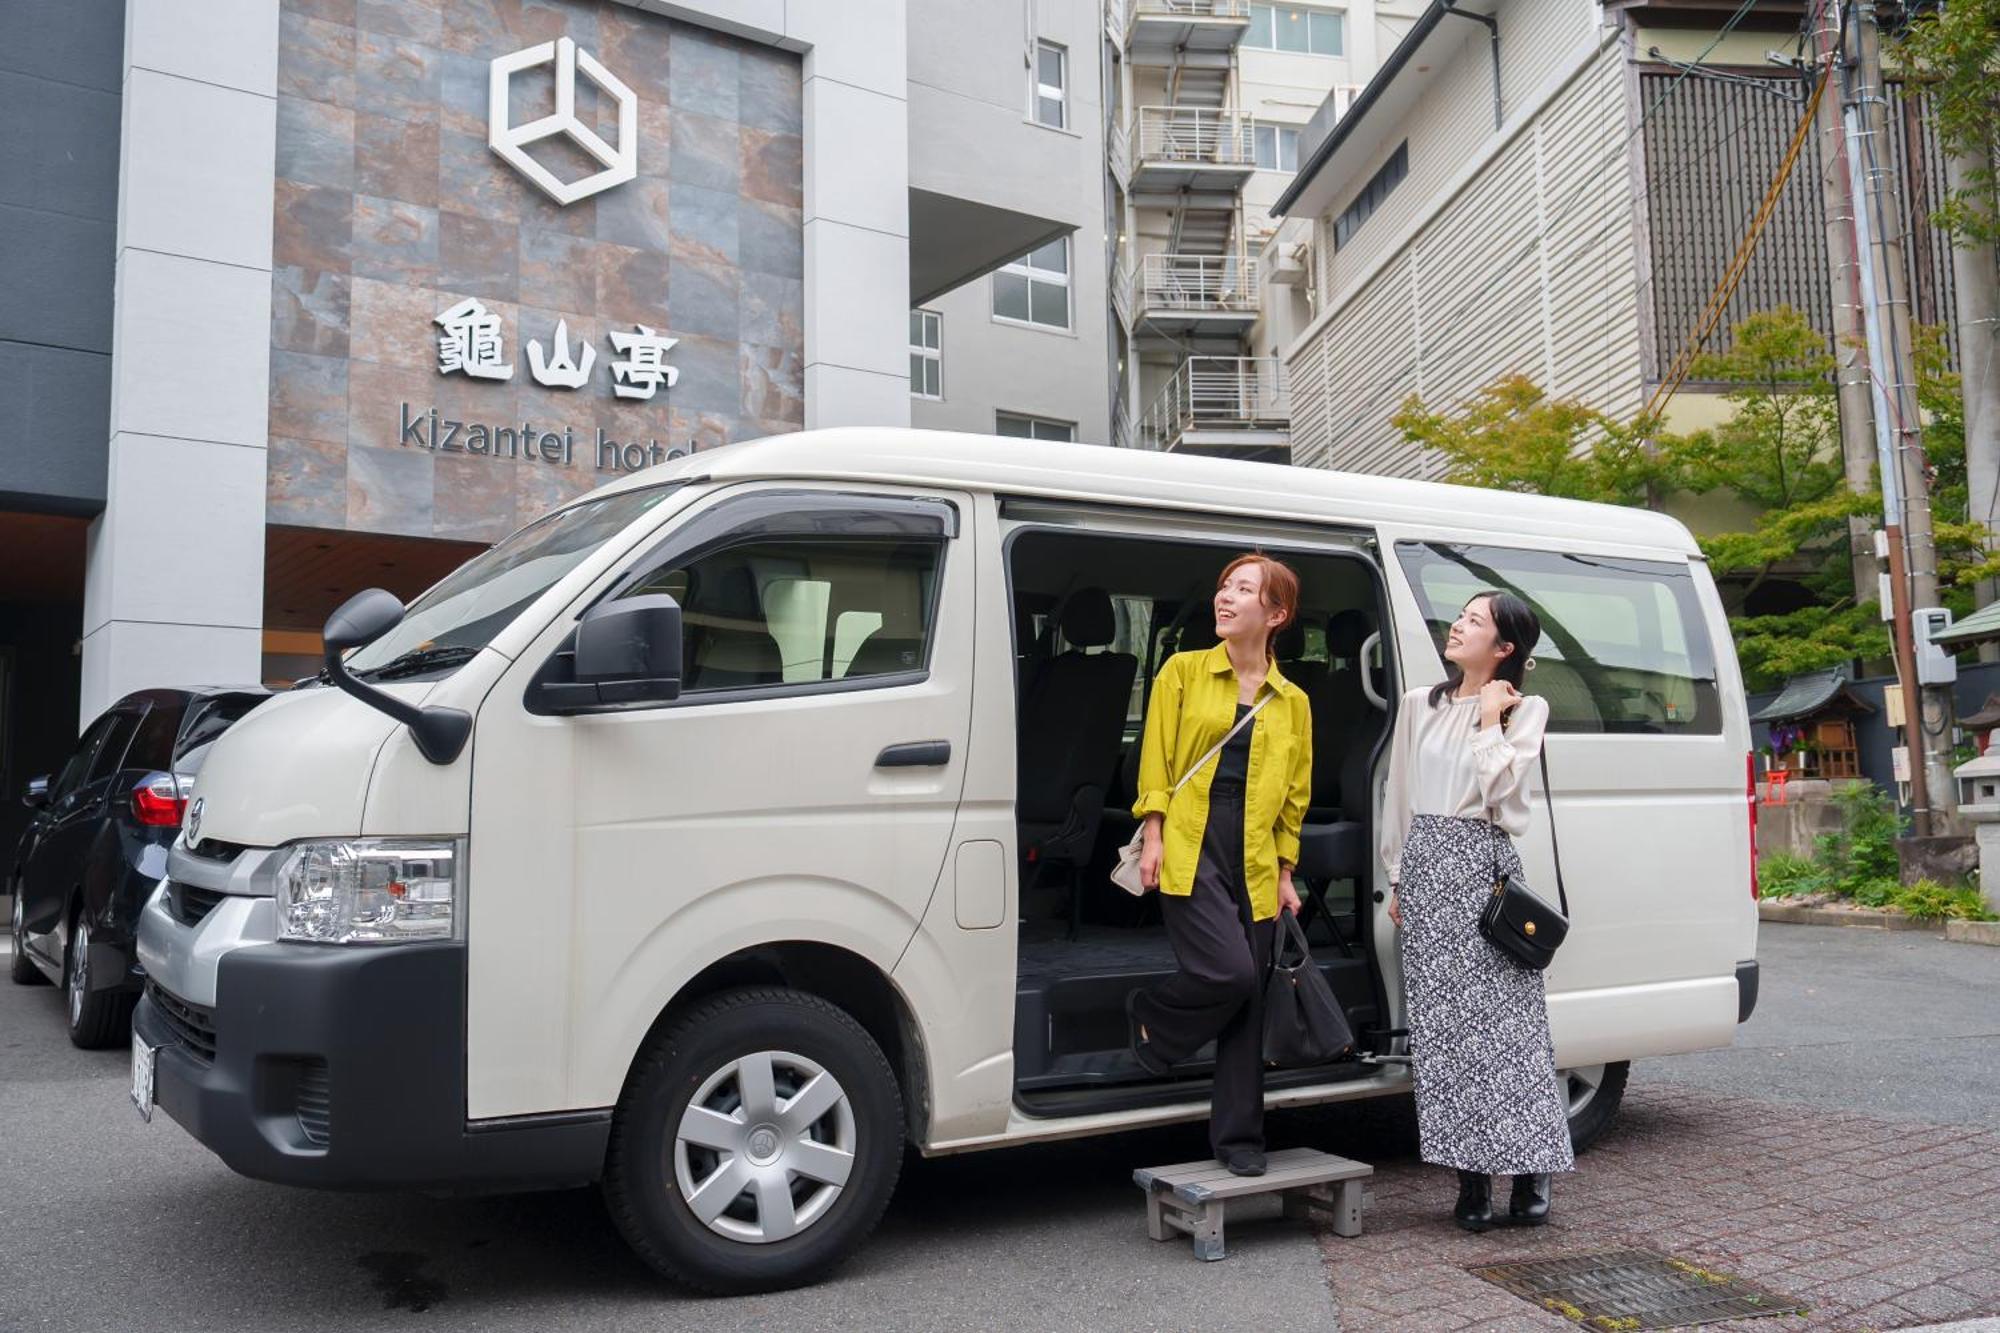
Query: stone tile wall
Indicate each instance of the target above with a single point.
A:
(390, 208)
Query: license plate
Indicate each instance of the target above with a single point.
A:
(142, 1077)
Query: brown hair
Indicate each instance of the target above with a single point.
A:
(1281, 587)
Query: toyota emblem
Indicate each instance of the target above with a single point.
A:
(194, 822)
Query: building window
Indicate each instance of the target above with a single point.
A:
(1034, 289)
(1277, 148)
(1372, 194)
(1297, 30)
(1021, 427)
(1051, 85)
(926, 354)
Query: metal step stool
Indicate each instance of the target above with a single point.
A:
(1190, 1198)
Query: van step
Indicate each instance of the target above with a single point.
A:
(1102, 1068)
(1190, 1199)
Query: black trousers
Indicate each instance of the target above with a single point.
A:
(1218, 993)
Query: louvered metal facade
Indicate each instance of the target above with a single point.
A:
(1712, 149)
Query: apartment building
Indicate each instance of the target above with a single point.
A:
(1209, 100)
(1552, 188)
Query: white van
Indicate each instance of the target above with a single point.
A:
(722, 831)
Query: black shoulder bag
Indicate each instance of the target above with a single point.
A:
(1303, 1023)
(1518, 922)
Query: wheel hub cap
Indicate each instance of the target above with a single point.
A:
(764, 1147)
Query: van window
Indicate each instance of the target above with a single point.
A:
(801, 610)
(458, 617)
(1624, 647)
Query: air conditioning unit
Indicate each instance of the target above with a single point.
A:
(1290, 266)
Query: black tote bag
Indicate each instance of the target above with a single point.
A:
(1303, 1022)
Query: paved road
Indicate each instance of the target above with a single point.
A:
(1894, 1024)
(113, 1224)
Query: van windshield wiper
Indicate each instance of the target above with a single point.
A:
(420, 660)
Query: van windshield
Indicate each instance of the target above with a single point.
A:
(454, 620)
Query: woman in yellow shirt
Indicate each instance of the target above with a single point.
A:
(1221, 848)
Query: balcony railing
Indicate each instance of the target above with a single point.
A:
(1185, 9)
(1217, 393)
(1193, 284)
(1193, 136)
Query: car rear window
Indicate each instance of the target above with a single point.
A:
(209, 718)
(1624, 647)
(153, 747)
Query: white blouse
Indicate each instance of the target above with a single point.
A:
(1442, 762)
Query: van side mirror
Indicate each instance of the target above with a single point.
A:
(626, 652)
(36, 794)
(362, 619)
(440, 733)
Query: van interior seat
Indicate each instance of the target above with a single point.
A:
(897, 644)
(728, 643)
(1072, 723)
(1340, 712)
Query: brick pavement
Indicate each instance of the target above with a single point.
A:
(1871, 1224)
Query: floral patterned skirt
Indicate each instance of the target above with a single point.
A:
(1487, 1094)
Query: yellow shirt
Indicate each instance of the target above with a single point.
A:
(1193, 707)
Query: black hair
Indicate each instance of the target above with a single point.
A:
(1514, 623)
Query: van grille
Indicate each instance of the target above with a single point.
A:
(314, 1097)
(192, 1024)
(190, 905)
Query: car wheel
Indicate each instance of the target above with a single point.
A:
(1593, 1092)
(19, 966)
(96, 1018)
(756, 1143)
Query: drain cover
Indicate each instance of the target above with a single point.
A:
(1622, 1290)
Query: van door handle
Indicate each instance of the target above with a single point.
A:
(915, 754)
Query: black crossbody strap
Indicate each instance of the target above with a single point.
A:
(1549, 798)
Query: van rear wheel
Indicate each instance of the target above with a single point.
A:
(1593, 1093)
(756, 1143)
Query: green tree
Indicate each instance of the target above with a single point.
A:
(1513, 437)
(1961, 543)
(1952, 54)
(1779, 452)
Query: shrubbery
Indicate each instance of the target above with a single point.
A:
(1858, 865)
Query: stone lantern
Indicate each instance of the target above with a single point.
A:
(1979, 806)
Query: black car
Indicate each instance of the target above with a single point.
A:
(97, 846)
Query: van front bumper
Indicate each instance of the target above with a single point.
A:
(344, 1068)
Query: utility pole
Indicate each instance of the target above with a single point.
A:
(1850, 354)
(1976, 289)
(1898, 425)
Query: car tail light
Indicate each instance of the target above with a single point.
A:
(1750, 770)
(160, 800)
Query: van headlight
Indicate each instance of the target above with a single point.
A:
(368, 891)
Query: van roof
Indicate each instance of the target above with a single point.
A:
(1103, 475)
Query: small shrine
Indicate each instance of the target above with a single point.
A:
(1812, 726)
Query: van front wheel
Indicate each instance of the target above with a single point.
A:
(756, 1143)
(1594, 1092)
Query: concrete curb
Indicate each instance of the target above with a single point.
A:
(1974, 932)
(1827, 916)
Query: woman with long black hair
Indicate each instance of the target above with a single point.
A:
(1487, 1097)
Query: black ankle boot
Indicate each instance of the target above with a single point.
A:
(1475, 1201)
(1528, 1206)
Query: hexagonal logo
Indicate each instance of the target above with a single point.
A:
(512, 142)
